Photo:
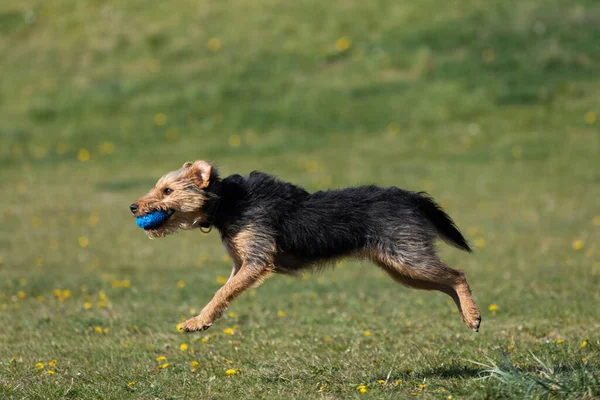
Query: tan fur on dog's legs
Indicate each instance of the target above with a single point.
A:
(445, 280)
(247, 276)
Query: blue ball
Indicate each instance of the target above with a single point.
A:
(153, 219)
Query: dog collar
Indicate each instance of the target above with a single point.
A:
(205, 227)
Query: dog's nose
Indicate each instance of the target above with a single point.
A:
(133, 208)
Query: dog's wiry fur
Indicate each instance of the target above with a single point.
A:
(272, 226)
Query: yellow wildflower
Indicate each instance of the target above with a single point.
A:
(93, 220)
(228, 331)
(180, 284)
(560, 341)
(221, 280)
(194, 364)
(214, 44)
(83, 155)
(382, 381)
(342, 44)
(590, 117)
(578, 244)
(183, 347)
(179, 328)
(493, 308)
(21, 294)
(161, 358)
(367, 333)
(163, 366)
(83, 241)
(362, 388)
(234, 140)
(39, 365)
(52, 363)
(161, 119)
(232, 314)
(231, 372)
(130, 384)
(312, 166)
(479, 242)
(107, 148)
(281, 313)
(98, 329)
(49, 372)
(584, 343)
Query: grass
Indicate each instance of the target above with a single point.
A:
(544, 381)
(491, 106)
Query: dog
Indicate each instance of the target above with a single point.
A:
(270, 226)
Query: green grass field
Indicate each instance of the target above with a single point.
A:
(491, 106)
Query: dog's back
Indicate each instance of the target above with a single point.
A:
(309, 229)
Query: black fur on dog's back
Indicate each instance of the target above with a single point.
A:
(312, 228)
(442, 222)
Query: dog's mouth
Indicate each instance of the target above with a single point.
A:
(154, 219)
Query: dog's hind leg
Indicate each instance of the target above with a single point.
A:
(434, 275)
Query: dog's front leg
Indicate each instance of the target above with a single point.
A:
(247, 276)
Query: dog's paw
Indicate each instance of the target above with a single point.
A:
(475, 323)
(195, 324)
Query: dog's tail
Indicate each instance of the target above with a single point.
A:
(442, 222)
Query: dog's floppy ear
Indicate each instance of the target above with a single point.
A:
(187, 164)
(201, 173)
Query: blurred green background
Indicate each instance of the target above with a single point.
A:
(490, 106)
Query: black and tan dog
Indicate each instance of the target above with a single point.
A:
(272, 226)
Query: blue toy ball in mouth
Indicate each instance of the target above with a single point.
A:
(153, 219)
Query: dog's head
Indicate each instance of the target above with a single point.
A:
(177, 201)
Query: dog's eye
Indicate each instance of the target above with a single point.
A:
(167, 191)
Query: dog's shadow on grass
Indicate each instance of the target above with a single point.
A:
(453, 372)
(437, 372)
(479, 372)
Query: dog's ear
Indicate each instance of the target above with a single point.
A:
(201, 173)
(187, 165)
